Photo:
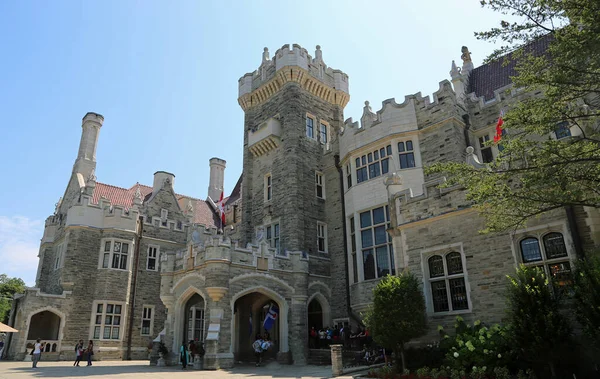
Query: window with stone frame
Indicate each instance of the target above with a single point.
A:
(163, 217)
(485, 148)
(310, 127)
(406, 154)
(272, 237)
(59, 259)
(323, 132)
(447, 285)
(115, 254)
(562, 130)
(320, 185)
(548, 252)
(373, 164)
(376, 244)
(152, 260)
(147, 320)
(348, 176)
(108, 318)
(268, 187)
(353, 250)
(321, 237)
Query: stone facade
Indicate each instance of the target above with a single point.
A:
(323, 210)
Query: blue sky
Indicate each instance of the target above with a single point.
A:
(164, 75)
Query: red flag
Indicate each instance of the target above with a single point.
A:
(222, 210)
(498, 135)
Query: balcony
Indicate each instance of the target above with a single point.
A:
(265, 137)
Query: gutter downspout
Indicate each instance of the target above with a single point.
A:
(136, 258)
(342, 197)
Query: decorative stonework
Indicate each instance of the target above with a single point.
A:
(216, 293)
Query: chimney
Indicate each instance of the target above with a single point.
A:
(160, 180)
(86, 157)
(217, 177)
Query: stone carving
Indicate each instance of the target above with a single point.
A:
(318, 53)
(265, 54)
(466, 55)
(190, 207)
(138, 194)
(92, 176)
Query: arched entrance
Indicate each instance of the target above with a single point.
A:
(315, 315)
(250, 312)
(194, 325)
(44, 325)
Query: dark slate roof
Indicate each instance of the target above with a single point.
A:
(236, 193)
(485, 79)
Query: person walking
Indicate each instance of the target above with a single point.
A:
(78, 353)
(183, 355)
(257, 346)
(37, 352)
(90, 352)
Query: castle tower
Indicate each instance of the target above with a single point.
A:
(217, 177)
(293, 108)
(85, 163)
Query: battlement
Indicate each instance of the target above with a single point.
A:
(311, 73)
(433, 202)
(102, 215)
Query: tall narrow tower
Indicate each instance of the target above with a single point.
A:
(293, 108)
(86, 157)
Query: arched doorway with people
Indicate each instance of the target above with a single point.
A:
(190, 321)
(47, 325)
(318, 321)
(258, 311)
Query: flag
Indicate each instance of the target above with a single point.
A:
(221, 208)
(499, 131)
(271, 317)
(250, 334)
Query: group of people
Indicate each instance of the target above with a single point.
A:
(322, 338)
(370, 356)
(188, 351)
(80, 352)
(260, 345)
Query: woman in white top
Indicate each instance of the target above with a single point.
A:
(37, 352)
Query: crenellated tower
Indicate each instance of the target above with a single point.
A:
(85, 164)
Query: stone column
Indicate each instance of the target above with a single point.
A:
(299, 330)
(337, 365)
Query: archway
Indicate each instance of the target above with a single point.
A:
(44, 325)
(194, 325)
(315, 315)
(250, 312)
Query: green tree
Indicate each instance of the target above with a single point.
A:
(534, 173)
(540, 332)
(8, 287)
(397, 314)
(587, 298)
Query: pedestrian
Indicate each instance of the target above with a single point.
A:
(191, 351)
(37, 352)
(257, 346)
(183, 355)
(313, 338)
(90, 352)
(78, 353)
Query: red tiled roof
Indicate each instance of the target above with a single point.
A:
(203, 213)
(485, 79)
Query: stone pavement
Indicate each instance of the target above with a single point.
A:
(141, 369)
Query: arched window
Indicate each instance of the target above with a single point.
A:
(530, 250)
(447, 282)
(554, 245)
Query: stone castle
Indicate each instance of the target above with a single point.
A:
(323, 209)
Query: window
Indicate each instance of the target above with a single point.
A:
(320, 185)
(310, 127)
(562, 130)
(353, 249)
(151, 263)
(273, 236)
(107, 321)
(407, 155)
(551, 256)
(373, 164)
(322, 237)
(115, 254)
(163, 217)
(486, 150)
(268, 187)
(179, 225)
(147, 320)
(58, 261)
(447, 282)
(323, 132)
(376, 244)
(196, 324)
(348, 176)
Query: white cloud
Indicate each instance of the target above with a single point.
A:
(19, 247)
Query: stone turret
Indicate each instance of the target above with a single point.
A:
(162, 178)
(217, 177)
(85, 163)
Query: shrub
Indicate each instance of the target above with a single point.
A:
(587, 298)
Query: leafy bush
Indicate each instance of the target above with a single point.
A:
(476, 346)
(587, 298)
(428, 356)
(442, 373)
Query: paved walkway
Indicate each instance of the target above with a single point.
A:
(141, 369)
